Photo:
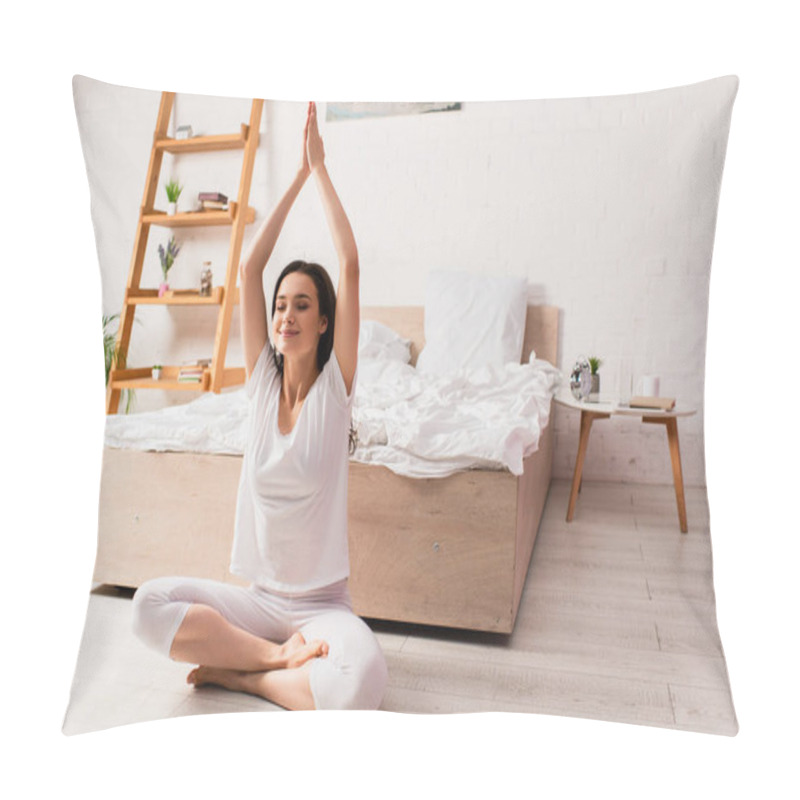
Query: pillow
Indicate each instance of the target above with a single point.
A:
(472, 321)
(376, 340)
(609, 205)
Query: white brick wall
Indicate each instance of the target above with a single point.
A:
(586, 199)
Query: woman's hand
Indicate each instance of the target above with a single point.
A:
(305, 169)
(315, 151)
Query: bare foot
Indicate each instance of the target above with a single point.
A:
(290, 688)
(200, 676)
(296, 651)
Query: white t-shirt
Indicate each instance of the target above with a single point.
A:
(291, 513)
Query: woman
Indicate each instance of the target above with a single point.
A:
(290, 535)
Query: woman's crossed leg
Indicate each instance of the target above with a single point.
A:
(329, 659)
(225, 629)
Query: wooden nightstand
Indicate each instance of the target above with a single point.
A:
(590, 411)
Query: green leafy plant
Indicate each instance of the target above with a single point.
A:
(174, 190)
(114, 357)
(595, 363)
(110, 351)
(169, 255)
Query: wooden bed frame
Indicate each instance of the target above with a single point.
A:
(437, 551)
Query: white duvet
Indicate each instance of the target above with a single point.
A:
(414, 424)
(431, 426)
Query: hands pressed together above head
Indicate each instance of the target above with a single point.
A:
(313, 149)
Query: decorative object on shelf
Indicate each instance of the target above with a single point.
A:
(212, 201)
(167, 257)
(174, 190)
(156, 372)
(580, 379)
(184, 132)
(205, 280)
(595, 363)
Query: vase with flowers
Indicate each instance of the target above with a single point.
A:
(167, 257)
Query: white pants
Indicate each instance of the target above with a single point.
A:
(352, 676)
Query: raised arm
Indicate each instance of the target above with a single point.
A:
(345, 337)
(252, 303)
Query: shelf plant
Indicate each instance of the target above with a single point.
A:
(173, 189)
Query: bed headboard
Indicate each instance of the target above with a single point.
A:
(541, 328)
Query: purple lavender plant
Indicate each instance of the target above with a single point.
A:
(168, 257)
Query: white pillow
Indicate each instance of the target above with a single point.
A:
(376, 340)
(472, 321)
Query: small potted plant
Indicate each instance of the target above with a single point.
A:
(174, 190)
(156, 372)
(595, 364)
(167, 257)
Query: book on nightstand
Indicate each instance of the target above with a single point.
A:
(657, 403)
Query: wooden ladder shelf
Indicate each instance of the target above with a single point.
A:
(239, 214)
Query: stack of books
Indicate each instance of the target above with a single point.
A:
(190, 374)
(213, 201)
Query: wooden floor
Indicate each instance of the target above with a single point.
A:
(617, 623)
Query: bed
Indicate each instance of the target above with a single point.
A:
(446, 550)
